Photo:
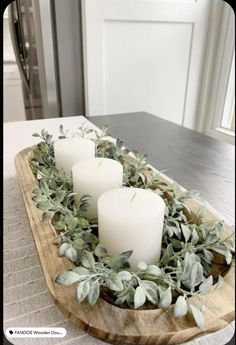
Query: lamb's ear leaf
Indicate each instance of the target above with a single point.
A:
(139, 297)
(71, 254)
(94, 292)
(63, 248)
(181, 307)
(206, 285)
(165, 298)
(198, 316)
(67, 278)
(82, 290)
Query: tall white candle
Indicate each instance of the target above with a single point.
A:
(95, 177)
(68, 151)
(132, 219)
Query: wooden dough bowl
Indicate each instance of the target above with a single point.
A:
(109, 322)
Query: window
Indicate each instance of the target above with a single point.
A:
(217, 102)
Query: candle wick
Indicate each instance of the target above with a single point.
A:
(99, 164)
(133, 197)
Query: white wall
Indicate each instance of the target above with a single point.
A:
(145, 56)
(146, 68)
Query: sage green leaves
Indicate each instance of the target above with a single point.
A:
(139, 297)
(198, 316)
(181, 307)
(189, 243)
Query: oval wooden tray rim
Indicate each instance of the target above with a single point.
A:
(83, 314)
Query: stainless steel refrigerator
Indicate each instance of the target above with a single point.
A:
(47, 42)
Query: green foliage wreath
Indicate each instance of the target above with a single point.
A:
(188, 248)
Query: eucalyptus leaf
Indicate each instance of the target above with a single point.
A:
(67, 278)
(168, 253)
(187, 265)
(44, 186)
(165, 298)
(87, 259)
(121, 299)
(47, 215)
(139, 297)
(82, 271)
(88, 237)
(63, 248)
(181, 307)
(94, 293)
(72, 223)
(220, 249)
(208, 255)
(186, 232)
(195, 237)
(83, 222)
(59, 224)
(196, 275)
(118, 261)
(223, 251)
(170, 231)
(206, 285)
(124, 275)
(82, 290)
(44, 205)
(79, 244)
(100, 251)
(177, 231)
(36, 191)
(177, 244)
(198, 316)
(228, 257)
(153, 270)
(130, 297)
(205, 266)
(148, 284)
(151, 290)
(71, 254)
(39, 198)
(114, 283)
(54, 208)
(151, 296)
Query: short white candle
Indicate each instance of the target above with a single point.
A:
(68, 151)
(132, 219)
(95, 177)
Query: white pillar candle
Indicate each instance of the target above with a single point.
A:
(132, 219)
(68, 151)
(95, 177)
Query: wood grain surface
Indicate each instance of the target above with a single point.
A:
(108, 322)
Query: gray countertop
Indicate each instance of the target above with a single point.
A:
(192, 159)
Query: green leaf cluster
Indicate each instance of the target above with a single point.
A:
(188, 247)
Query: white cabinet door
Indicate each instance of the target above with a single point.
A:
(143, 55)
